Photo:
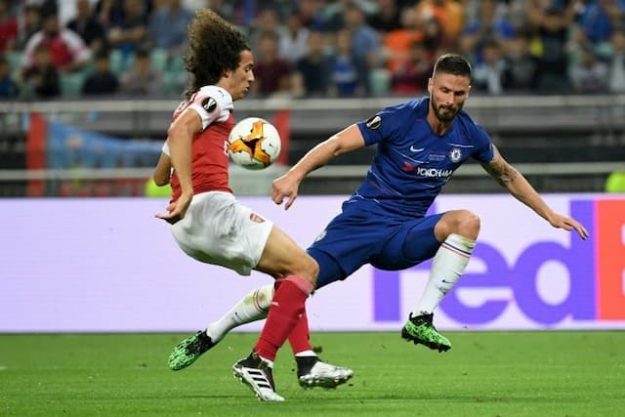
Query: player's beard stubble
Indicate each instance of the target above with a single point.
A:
(445, 114)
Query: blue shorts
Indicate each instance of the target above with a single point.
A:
(357, 237)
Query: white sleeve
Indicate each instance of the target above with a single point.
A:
(165, 149)
(212, 103)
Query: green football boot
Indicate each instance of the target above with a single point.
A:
(420, 330)
(189, 350)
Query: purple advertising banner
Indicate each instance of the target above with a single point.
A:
(107, 265)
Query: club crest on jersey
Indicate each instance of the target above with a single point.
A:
(455, 155)
(209, 104)
(374, 123)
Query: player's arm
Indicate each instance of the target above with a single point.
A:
(521, 189)
(162, 170)
(347, 140)
(180, 137)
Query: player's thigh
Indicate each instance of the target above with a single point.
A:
(281, 257)
(414, 243)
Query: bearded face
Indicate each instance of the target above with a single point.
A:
(448, 92)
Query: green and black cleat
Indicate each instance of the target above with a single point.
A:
(420, 330)
(189, 350)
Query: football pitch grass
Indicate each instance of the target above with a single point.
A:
(537, 374)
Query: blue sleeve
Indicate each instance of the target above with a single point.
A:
(484, 151)
(384, 126)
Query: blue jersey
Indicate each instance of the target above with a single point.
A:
(412, 163)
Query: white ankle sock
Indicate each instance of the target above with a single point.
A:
(305, 353)
(251, 308)
(449, 263)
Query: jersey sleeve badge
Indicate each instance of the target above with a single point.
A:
(374, 122)
(209, 104)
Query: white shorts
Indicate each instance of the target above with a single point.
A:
(218, 230)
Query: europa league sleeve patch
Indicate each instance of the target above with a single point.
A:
(374, 123)
(209, 104)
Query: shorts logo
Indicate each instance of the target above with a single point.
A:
(374, 123)
(455, 155)
(209, 104)
(256, 218)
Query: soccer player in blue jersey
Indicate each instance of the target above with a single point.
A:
(419, 145)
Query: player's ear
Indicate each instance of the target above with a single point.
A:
(430, 85)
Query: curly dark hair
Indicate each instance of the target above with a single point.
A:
(214, 47)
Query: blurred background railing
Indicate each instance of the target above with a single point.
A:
(561, 143)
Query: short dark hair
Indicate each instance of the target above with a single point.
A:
(453, 64)
(215, 46)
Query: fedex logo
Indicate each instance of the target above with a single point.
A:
(596, 273)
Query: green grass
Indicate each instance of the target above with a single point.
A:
(542, 374)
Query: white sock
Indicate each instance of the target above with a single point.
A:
(250, 308)
(305, 353)
(449, 263)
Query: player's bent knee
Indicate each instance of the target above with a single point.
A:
(468, 224)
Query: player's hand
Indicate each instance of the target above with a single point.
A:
(567, 223)
(176, 210)
(283, 187)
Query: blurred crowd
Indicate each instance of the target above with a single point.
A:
(52, 49)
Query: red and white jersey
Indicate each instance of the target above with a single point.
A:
(65, 48)
(209, 152)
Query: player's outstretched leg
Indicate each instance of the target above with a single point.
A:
(189, 350)
(256, 373)
(313, 372)
(421, 330)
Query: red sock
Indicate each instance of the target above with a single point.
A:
(285, 312)
(300, 335)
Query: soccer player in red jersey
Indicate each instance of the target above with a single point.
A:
(206, 220)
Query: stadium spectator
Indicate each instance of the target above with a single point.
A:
(386, 18)
(109, 12)
(521, 64)
(131, 33)
(491, 23)
(600, 17)
(141, 79)
(589, 76)
(8, 86)
(41, 79)
(491, 73)
(552, 23)
(311, 14)
(365, 40)
(448, 14)
(212, 227)
(312, 78)
(398, 42)
(88, 27)
(102, 81)
(616, 63)
(267, 21)
(173, 16)
(68, 52)
(8, 27)
(273, 74)
(411, 78)
(29, 24)
(349, 73)
(293, 39)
